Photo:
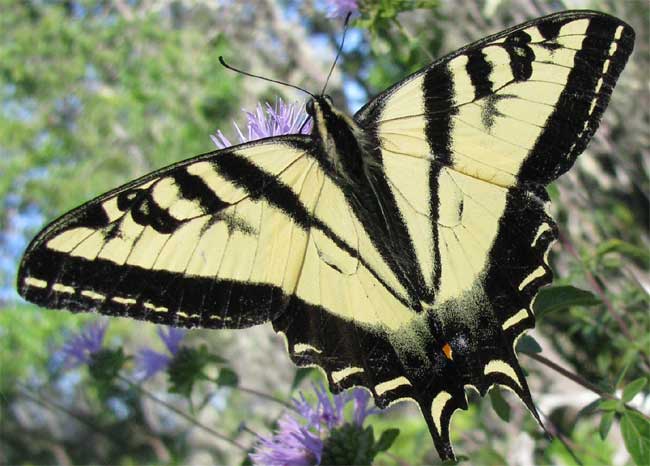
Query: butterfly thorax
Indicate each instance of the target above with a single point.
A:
(340, 140)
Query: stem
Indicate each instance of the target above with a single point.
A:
(266, 396)
(579, 380)
(182, 414)
(252, 391)
(245, 428)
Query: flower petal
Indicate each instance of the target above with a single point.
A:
(172, 338)
(149, 362)
(266, 121)
(79, 348)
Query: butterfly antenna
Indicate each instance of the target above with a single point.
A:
(282, 83)
(338, 52)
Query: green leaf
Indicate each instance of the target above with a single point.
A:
(528, 344)
(633, 388)
(301, 374)
(606, 423)
(557, 298)
(227, 378)
(609, 405)
(386, 440)
(499, 404)
(619, 379)
(589, 409)
(636, 436)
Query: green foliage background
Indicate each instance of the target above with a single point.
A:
(95, 93)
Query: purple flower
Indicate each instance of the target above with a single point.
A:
(172, 339)
(149, 362)
(268, 121)
(361, 409)
(341, 8)
(331, 413)
(80, 348)
(300, 442)
(293, 445)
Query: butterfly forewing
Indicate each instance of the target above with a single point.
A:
(216, 241)
(222, 240)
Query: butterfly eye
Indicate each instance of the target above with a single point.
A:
(310, 107)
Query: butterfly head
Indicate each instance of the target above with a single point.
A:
(317, 104)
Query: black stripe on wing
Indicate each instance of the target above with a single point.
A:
(146, 212)
(193, 187)
(583, 100)
(375, 205)
(438, 87)
(479, 69)
(438, 90)
(262, 185)
(521, 55)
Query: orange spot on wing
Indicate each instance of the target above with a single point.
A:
(447, 350)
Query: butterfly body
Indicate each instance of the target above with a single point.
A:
(399, 249)
(342, 143)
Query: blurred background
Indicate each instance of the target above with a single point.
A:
(96, 93)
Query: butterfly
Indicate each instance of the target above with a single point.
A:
(399, 249)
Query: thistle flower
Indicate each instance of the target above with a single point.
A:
(302, 442)
(293, 445)
(327, 412)
(267, 121)
(341, 8)
(149, 362)
(80, 348)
